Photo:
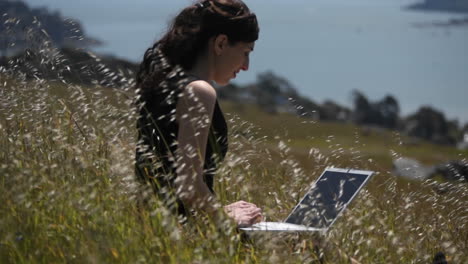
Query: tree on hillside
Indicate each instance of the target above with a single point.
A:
(332, 111)
(304, 107)
(454, 130)
(429, 124)
(230, 92)
(363, 112)
(272, 91)
(389, 111)
(465, 128)
(384, 113)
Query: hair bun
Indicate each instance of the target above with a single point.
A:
(203, 4)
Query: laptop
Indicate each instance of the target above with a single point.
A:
(322, 204)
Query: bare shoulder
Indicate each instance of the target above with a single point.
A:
(202, 90)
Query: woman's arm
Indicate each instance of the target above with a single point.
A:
(194, 112)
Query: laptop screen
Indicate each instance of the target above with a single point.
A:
(327, 198)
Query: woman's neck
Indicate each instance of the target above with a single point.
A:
(202, 69)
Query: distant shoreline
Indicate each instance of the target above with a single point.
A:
(441, 6)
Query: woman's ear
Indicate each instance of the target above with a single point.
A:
(220, 43)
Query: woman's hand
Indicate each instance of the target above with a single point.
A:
(244, 213)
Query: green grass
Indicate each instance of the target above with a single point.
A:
(68, 193)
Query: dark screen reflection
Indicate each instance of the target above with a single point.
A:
(326, 199)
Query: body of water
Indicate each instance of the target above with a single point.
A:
(326, 48)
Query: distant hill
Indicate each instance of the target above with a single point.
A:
(456, 6)
(23, 27)
(70, 65)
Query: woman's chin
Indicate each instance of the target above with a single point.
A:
(222, 82)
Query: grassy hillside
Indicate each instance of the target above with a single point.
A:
(68, 195)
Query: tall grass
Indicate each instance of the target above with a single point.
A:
(68, 192)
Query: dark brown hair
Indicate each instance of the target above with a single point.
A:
(189, 34)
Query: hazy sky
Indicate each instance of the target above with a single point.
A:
(326, 48)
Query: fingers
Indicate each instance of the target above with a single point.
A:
(255, 211)
(252, 216)
(256, 217)
(242, 204)
(244, 213)
(248, 211)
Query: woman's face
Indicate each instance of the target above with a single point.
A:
(230, 60)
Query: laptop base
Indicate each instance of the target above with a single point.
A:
(281, 227)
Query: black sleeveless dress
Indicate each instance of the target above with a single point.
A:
(157, 142)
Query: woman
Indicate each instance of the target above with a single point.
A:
(182, 131)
